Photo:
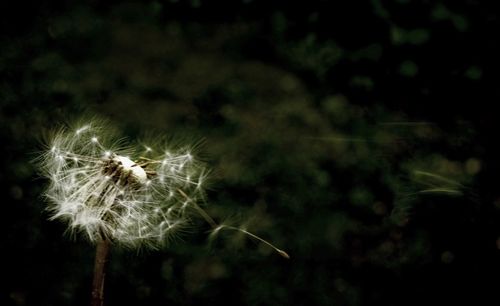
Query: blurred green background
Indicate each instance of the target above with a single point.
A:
(359, 136)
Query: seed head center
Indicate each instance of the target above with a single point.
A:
(123, 169)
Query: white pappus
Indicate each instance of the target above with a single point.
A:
(134, 196)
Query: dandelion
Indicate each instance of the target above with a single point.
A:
(113, 193)
(110, 192)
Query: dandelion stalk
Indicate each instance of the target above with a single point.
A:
(101, 259)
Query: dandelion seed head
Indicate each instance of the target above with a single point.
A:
(103, 189)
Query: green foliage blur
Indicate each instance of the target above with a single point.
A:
(358, 137)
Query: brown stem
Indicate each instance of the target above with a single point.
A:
(101, 258)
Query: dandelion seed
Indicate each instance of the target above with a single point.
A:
(82, 129)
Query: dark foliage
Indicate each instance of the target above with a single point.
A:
(357, 135)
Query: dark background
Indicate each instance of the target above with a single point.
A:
(359, 136)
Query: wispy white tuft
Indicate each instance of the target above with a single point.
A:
(134, 196)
